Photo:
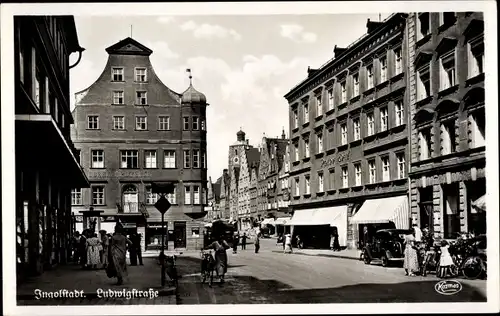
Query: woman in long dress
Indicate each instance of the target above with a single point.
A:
(410, 257)
(117, 265)
(220, 256)
(93, 256)
(105, 245)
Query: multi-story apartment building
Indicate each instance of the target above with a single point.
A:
(42, 45)
(446, 83)
(349, 137)
(284, 195)
(254, 182)
(133, 131)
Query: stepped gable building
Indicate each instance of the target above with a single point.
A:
(349, 139)
(214, 211)
(42, 45)
(254, 184)
(225, 188)
(133, 131)
(446, 63)
(272, 158)
(252, 155)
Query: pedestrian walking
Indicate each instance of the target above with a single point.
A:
(75, 247)
(105, 246)
(82, 249)
(288, 243)
(220, 247)
(300, 243)
(366, 236)
(138, 248)
(117, 266)
(257, 243)
(132, 250)
(244, 241)
(445, 261)
(410, 263)
(236, 240)
(336, 244)
(93, 255)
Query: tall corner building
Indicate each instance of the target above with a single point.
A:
(131, 131)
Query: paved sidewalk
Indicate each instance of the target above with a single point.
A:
(71, 277)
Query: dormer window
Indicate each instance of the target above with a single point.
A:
(117, 74)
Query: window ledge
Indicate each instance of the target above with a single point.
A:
(448, 91)
(118, 104)
(342, 147)
(398, 128)
(342, 105)
(125, 168)
(152, 168)
(319, 117)
(474, 80)
(119, 129)
(382, 133)
(423, 40)
(305, 124)
(141, 81)
(295, 129)
(164, 130)
(136, 104)
(382, 84)
(356, 142)
(331, 191)
(424, 101)
(371, 185)
(307, 195)
(329, 151)
(98, 168)
(355, 99)
(321, 193)
(319, 155)
(306, 159)
(93, 129)
(295, 163)
(397, 77)
(357, 187)
(370, 137)
(446, 26)
(343, 190)
(368, 91)
(330, 111)
(117, 80)
(296, 197)
(141, 130)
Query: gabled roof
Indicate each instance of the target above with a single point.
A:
(129, 46)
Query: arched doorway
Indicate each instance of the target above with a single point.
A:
(130, 199)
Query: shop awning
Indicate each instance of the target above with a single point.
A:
(267, 221)
(480, 204)
(281, 220)
(384, 210)
(319, 216)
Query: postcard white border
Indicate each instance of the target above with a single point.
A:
(254, 8)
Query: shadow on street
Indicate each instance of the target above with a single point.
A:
(241, 289)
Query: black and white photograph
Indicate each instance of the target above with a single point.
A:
(312, 157)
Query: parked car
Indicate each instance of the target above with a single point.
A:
(387, 245)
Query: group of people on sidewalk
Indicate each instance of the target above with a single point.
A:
(107, 251)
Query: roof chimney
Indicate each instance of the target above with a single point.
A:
(372, 26)
(337, 51)
(311, 71)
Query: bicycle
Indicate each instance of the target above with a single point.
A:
(207, 266)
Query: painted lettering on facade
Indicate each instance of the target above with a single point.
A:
(327, 162)
(119, 174)
(450, 177)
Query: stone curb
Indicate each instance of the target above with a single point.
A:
(322, 255)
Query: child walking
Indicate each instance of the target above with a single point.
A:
(446, 261)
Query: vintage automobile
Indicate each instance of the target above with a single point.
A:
(387, 245)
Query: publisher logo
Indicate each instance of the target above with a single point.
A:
(448, 287)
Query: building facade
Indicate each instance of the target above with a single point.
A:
(225, 188)
(349, 139)
(132, 131)
(446, 82)
(42, 46)
(213, 208)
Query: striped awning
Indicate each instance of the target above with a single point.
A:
(384, 210)
(480, 204)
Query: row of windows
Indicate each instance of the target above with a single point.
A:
(448, 132)
(446, 19)
(129, 159)
(353, 130)
(141, 123)
(448, 65)
(193, 194)
(349, 88)
(35, 81)
(346, 181)
(141, 97)
(140, 74)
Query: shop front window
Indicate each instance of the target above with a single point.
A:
(451, 212)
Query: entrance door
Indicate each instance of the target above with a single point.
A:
(180, 234)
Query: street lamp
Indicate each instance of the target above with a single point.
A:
(162, 205)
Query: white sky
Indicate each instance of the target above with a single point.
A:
(243, 64)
